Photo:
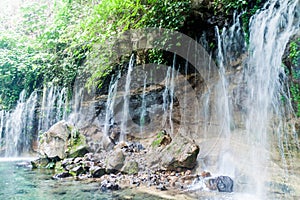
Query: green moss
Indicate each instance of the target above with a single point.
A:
(72, 173)
(77, 147)
(294, 54)
(131, 168)
(158, 140)
(40, 163)
(58, 167)
(50, 165)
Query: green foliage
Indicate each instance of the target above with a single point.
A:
(294, 56)
(295, 52)
(230, 5)
(248, 8)
(246, 18)
(39, 50)
(16, 70)
(112, 17)
(55, 41)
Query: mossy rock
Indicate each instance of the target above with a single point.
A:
(77, 146)
(162, 139)
(62, 141)
(180, 154)
(58, 167)
(40, 163)
(131, 167)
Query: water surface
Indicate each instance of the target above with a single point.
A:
(19, 182)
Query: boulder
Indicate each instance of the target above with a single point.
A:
(96, 139)
(61, 175)
(224, 184)
(40, 163)
(97, 172)
(76, 171)
(130, 167)
(116, 161)
(107, 185)
(62, 140)
(220, 183)
(179, 155)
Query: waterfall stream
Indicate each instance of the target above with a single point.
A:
(270, 31)
(143, 108)
(240, 126)
(19, 128)
(126, 99)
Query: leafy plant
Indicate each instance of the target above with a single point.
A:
(294, 56)
(56, 42)
(230, 5)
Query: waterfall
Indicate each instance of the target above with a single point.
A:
(270, 31)
(17, 126)
(224, 113)
(110, 103)
(165, 96)
(126, 97)
(54, 107)
(245, 119)
(143, 108)
(168, 96)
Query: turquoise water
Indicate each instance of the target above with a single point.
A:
(18, 182)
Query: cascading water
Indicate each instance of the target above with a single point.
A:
(110, 103)
(54, 107)
(20, 127)
(223, 108)
(246, 136)
(17, 126)
(143, 108)
(270, 31)
(168, 96)
(165, 96)
(126, 97)
(245, 119)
